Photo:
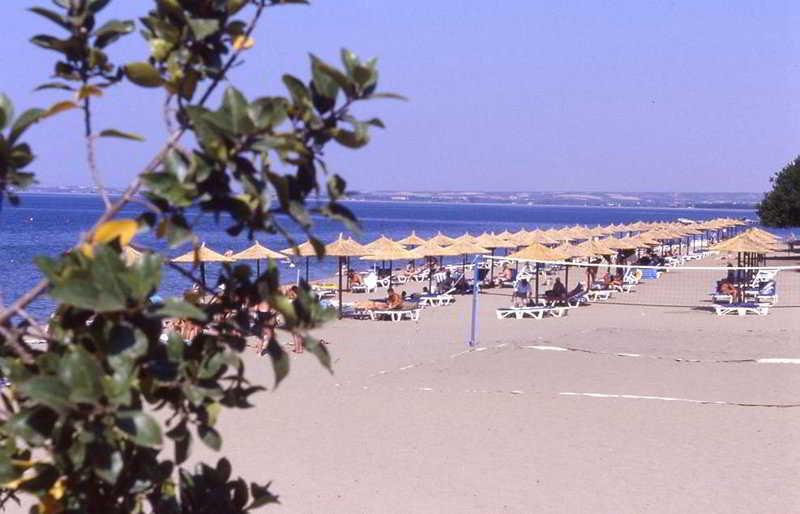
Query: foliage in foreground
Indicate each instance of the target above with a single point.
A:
(781, 206)
(103, 416)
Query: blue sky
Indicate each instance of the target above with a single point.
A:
(515, 95)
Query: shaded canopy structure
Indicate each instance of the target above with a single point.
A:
(342, 249)
(412, 240)
(257, 252)
(201, 255)
(305, 250)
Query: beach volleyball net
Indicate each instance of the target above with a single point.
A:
(695, 283)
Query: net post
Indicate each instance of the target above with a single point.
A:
(473, 327)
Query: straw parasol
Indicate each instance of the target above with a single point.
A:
(492, 241)
(465, 248)
(441, 240)
(257, 252)
(466, 237)
(623, 243)
(382, 244)
(412, 240)
(202, 254)
(302, 250)
(389, 253)
(597, 248)
(539, 236)
(428, 250)
(538, 253)
(341, 249)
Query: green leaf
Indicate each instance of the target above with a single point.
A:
(111, 31)
(6, 111)
(300, 94)
(210, 437)
(120, 134)
(52, 16)
(143, 74)
(140, 428)
(46, 390)
(342, 80)
(319, 350)
(25, 120)
(390, 96)
(280, 360)
(351, 139)
(235, 106)
(203, 27)
(81, 373)
(54, 85)
(267, 113)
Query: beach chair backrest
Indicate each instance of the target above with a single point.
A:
(371, 281)
(439, 277)
(767, 289)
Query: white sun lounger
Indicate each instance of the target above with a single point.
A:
(437, 300)
(537, 312)
(522, 312)
(742, 309)
(598, 295)
(395, 315)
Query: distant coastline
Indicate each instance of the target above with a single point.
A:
(640, 201)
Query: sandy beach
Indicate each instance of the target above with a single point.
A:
(613, 408)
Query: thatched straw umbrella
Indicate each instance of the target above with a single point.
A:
(201, 255)
(492, 242)
(537, 253)
(306, 250)
(412, 240)
(431, 250)
(465, 248)
(257, 252)
(341, 249)
(389, 253)
(441, 240)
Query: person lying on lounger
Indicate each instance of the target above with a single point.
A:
(393, 302)
(354, 278)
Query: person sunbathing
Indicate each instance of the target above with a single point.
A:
(724, 287)
(610, 281)
(393, 302)
(354, 278)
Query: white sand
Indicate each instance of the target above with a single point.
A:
(411, 422)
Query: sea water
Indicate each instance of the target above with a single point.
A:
(50, 224)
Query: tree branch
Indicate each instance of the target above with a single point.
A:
(91, 157)
(134, 186)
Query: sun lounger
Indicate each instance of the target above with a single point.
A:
(721, 298)
(742, 309)
(535, 312)
(395, 315)
(522, 312)
(598, 295)
(436, 300)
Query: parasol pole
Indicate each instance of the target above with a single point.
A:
(340, 287)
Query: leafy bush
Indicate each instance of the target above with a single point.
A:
(102, 416)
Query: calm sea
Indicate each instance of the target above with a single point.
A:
(49, 224)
